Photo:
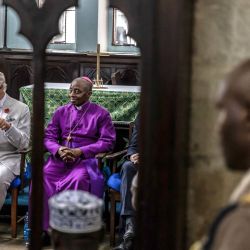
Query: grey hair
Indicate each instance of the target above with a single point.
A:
(2, 81)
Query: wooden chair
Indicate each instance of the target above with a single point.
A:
(114, 195)
(17, 185)
(129, 77)
(116, 78)
(122, 137)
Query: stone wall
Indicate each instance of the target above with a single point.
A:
(221, 39)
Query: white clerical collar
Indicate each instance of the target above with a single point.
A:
(81, 107)
(2, 100)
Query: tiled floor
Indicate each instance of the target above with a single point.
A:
(7, 243)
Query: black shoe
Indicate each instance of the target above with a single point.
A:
(127, 239)
(130, 232)
(119, 247)
(125, 245)
(45, 239)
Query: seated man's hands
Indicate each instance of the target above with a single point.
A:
(69, 154)
(4, 125)
(135, 158)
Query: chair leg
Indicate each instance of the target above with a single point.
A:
(106, 211)
(112, 220)
(14, 193)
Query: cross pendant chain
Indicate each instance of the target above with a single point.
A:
(69, 138)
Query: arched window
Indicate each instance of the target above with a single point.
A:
(67, 26)
(120, 29)
(80, 30)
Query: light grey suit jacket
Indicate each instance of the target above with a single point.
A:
(17, 137)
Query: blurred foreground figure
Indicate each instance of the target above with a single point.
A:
(75, 220)
(231, 229)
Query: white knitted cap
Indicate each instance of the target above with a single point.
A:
(75, 211)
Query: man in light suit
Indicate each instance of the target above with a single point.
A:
(14, 136)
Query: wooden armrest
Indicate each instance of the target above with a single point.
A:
(101, 155)
(116, 155)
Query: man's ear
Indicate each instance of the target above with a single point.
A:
(89, 93)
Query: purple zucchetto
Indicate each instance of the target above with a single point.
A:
(87, 79)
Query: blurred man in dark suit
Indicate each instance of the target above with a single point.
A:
(128, 171)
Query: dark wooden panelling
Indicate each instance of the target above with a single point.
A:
(19, 75)
(90, 71)
(61, 71)
(64, 67)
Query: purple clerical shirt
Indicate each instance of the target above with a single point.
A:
(90, 129)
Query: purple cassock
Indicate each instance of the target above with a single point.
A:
(90, 129)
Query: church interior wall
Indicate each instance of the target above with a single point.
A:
(86, 17)
(221, 38)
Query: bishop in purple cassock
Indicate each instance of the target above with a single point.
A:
(76, 133)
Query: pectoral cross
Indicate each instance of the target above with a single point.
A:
(69, 138)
